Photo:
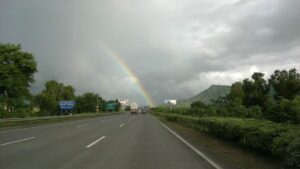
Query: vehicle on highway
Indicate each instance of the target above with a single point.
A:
(144, 110)
(134, 108)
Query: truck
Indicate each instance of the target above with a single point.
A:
(134, 108)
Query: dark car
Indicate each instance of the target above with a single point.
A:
(144, 111)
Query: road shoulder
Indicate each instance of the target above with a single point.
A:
(221, 151)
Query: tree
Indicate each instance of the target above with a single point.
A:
(285, 83)
(256, 91)
(16, 73)
(118, 105)
(198, 104)
(236, 90)
(289, 110)
(49, 98)
(235, 107)
(127, 108)
(88, 102)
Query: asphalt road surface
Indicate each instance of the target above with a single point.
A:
(112, 142)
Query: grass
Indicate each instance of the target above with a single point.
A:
(33, 121)
(241, 156)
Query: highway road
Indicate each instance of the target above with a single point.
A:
(111, 142)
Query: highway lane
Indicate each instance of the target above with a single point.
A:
(53, 144)
(111, 142)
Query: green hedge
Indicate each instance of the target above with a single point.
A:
(278, 139)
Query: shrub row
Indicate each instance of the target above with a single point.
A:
(281, 140)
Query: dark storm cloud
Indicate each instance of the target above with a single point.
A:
(176, 48)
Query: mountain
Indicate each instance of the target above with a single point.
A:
(212, 93)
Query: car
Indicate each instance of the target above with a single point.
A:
(144, 110)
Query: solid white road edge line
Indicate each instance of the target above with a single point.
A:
(93, 143)
(121, 125)
(17, 141)
(83, 125)
(210, 161)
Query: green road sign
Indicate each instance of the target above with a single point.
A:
(111, 106)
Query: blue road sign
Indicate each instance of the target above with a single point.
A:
(66, 105)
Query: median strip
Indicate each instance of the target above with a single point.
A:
(4, 144)
(93, 143)
(49, 120)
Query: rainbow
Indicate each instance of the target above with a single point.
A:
(133, 77)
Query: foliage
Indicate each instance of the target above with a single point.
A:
(255, 91)
(254, 112)
(287, 145)
(289, 110)
(88, 102)
(49, 98)
(127, 108)
(16, 73)
(262, 135)
(286, 83)
(236, 91)
(275, 99)
(198, 104)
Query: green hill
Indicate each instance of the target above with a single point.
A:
(212, 93)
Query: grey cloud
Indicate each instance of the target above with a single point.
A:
(176, 48)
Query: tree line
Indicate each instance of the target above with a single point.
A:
(276, 99)
(260, 114)
(17, 69)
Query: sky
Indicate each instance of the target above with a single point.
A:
(148, 51)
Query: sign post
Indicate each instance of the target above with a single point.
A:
(97, 106)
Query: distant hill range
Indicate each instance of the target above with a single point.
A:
(212, 93)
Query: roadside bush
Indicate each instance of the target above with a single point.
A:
(198, 111)
(20, 112)
(290, 110)
(211, 111)
(254, 112)
(287, 146)
(4, 114)
(198, 104)
(278, 139)
(183, 111)
(293, 153)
